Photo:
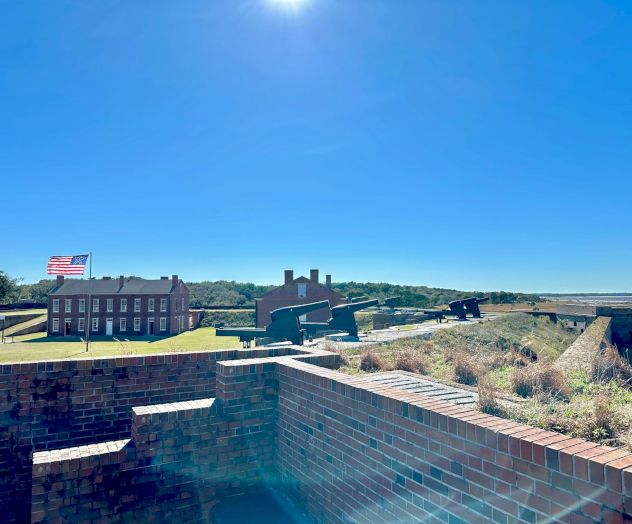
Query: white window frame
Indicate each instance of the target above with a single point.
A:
(301, 289)
(150, 304)
(123, 305)
(55, 325)
(95, 324)
(82, 325)
(136, 324)
(82, 305)
(95, 305)
(137, 305)
(163, 323)
(163, 305)
(68, 305)
(109, 305)
(123, 324)
(55, 305)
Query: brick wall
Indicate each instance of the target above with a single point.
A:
(354, 451)
(349, 450)
(50, 405)
(580, 354)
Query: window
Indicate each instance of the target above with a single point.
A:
(163, 324)
(82, 305)
(95, 324)
(95, 305)
(137, 324)
(68, 305)
(55, 325)
(150, 304)
(123, 305)
(175, 307)
(136, 305)
(56, 306)
(123, 324)
(163, 304)
(82, 324)
(302, 290)
(109, 305)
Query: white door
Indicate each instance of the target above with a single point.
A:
(108, 327)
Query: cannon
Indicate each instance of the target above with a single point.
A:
(459, 309)
(390, 302)
(471, 305)
(359, 299)
(285, 325)
(342, 319)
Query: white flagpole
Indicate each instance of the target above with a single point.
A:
(89, 305)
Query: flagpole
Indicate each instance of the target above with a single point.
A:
(89, 327)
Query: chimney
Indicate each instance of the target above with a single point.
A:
(174, 280)
(289, 276)
(313, 275)
(60, 280)
(164, 278)
(107, 278)
(121, 281)
(328, 280)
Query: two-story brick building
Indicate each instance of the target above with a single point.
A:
(299, 290)
(122, 307)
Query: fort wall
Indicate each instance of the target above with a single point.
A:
(346, 448)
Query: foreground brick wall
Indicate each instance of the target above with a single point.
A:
(56, 404)
(348, 449)
(354, 451)
(181, 458)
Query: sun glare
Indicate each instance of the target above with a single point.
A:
(290, 5)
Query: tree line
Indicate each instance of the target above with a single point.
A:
(231, 293)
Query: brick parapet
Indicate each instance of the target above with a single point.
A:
(581, 353)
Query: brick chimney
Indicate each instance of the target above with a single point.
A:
(107, 278)
(289, 276)
(313, 275)
(121, 281)
(60, 280)
(174, 280)
(328, 280)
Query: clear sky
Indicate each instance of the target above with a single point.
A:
(467, 144)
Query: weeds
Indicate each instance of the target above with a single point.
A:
(487, 396)
(466, 368)
(539, 379)
(371, 361)
(408, 359)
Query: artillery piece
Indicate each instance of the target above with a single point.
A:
(342, 319)
(285, 325)
(471, 305)
(459, 309)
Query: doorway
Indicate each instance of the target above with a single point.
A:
(67, 327)
(108, 327)
(150, 326)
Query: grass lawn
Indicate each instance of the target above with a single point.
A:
(38, 346)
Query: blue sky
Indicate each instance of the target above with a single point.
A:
(473, 144)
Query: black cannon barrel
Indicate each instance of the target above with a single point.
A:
(298, 310)
(355, 306)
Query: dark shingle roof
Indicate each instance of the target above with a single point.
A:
(131, 286)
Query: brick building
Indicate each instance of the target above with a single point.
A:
(121, 307)
(295, 291)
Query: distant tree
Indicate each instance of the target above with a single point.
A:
(9, 291)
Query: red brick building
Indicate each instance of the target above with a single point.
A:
(295, 291)
(121, 307)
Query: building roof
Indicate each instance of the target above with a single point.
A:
(131, 286)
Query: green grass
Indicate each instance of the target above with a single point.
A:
(38, 346)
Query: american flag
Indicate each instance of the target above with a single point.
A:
(74, 265)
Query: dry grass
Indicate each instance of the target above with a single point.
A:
(466, 368)
(409, 359)
(344, 357)
(488, 396)
(609, 365)
(371, 361)
(539, 379)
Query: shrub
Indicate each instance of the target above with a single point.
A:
(603, 417)
(487, 396)
(609, 365)
(371, 361)
(539, 378)
(408, 359)
(466, 368)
